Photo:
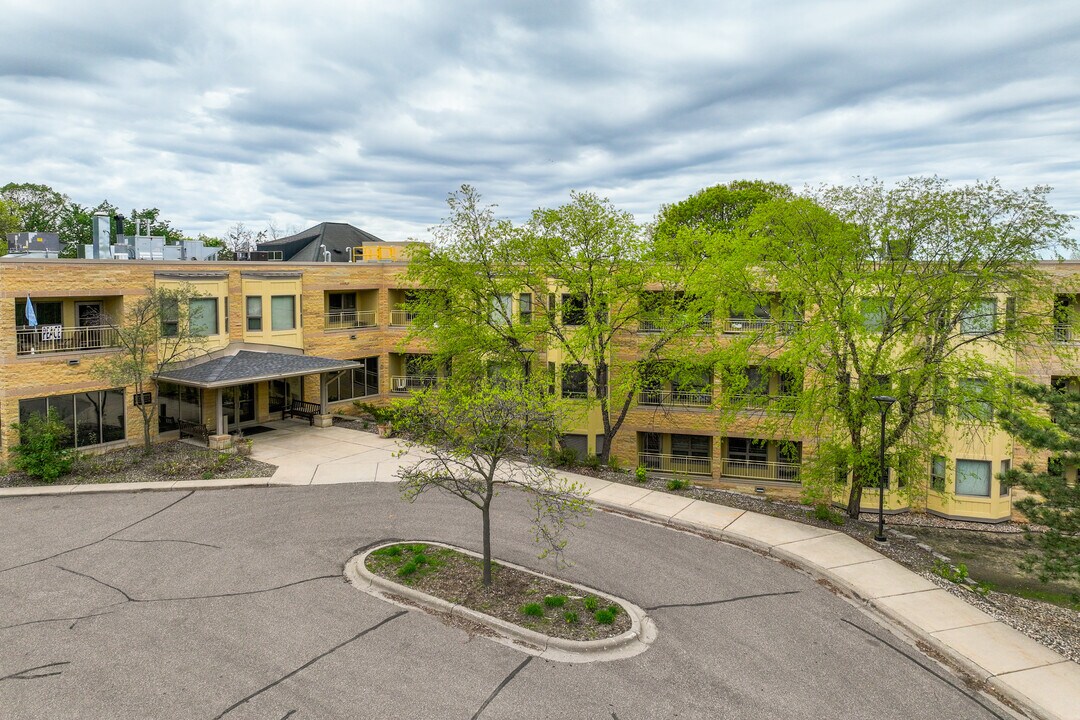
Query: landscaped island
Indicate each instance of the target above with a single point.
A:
(535, 602)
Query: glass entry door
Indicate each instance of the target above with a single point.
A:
(242, 398)
(283, 392)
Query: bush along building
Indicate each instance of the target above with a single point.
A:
(676, 357)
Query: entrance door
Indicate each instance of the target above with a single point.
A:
(88, 320)
(283, 392)
(240, 398)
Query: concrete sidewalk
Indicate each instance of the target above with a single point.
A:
(1037, 679)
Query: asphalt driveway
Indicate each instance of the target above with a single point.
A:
(232, 604)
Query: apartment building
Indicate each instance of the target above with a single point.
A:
(324, 333)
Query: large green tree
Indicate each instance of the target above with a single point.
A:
(1055, 500)
(923, 291)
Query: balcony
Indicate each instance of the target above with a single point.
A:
(409, 383)
(1066, 334)
(676, 464)
(659, 324)
(737, 326)
(675, 398)
(777, 403)
(401, 318)
(57, 338)
(349, 319)
(759, 471)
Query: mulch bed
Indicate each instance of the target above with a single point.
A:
(455, 577)
(358, 424)
(167, 461)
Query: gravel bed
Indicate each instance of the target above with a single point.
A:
(1055, 626)
(456, 577)
(174, 460)
(357, 424)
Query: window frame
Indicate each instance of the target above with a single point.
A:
(215, 329)
(989, 477)
(292, 319)
(249, 317)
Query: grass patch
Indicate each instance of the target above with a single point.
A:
(532, 610)
(591, 603)
(570, 616)
(677, 484)
(604, 617)
(827, 514)
(555, 601)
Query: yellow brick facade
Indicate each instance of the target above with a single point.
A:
(369, 328)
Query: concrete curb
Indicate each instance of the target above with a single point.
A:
(1045, 680)
(641, 634)
(150, 485)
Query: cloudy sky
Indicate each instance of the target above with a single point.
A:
(371, 112)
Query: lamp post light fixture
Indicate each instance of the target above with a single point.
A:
(884, 402)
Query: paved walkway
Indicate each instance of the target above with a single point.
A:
(1036, 678)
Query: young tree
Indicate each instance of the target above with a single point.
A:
(480, 434)
(240, 238)
(921, 292)
(1055, 502)
(155, 331)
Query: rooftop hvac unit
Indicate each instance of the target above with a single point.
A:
(44, 244)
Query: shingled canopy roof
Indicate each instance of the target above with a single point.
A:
(334, 237)
(248, 366)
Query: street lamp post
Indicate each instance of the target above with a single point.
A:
(884, 402)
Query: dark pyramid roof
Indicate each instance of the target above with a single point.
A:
(249, 366)
(304, 245)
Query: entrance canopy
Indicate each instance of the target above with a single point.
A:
(248, 366)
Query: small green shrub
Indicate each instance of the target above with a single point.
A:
(677, 484)
(613, 463)
(555, 601)
(40, 452)
(407, 569)
(591, 604)
(827, 514)
(420, 559)
(392, 551)
(532, 610)
(381, 415)
(207, 475)
(604, 617)
(641, 474)
(570, 617)
(564, 457)
(613, 609)
(417, 549)
(958, 574)
(592, 462)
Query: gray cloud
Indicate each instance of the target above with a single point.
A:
(369, 112)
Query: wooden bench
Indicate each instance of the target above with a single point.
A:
(194, 430)
(299, 408)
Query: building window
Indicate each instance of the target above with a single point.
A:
(203, 316)
(283, 312)
(46, 313)
(525, 308)
(747, 449)
(696, 446)
(178, 403)
(91, 418)
(937, 473)
(1003, 483)
(254, 313)
(573, 309)
(170, 317)
(501, 310)
(974, 405)
(355, 383)
(973, 478)
(978, 318)
(874, 313)
(575, 382)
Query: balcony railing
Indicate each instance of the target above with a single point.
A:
(735, 326)
(660, 324)
(401, 318)
(675, 398)
(57, 338)
(676, 464)
(761, 471)
(349, 319)
(408, 383)
(1066, 334)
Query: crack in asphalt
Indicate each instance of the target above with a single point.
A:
(22, 674)
(60, 619)
(238, 593)
(288, 715)
(110, 536)
(308, 664)
(932, 670)
(503, 684)
(721, 602)
(186, 542)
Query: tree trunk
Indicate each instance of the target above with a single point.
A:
(486, 512)
(854, 502)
